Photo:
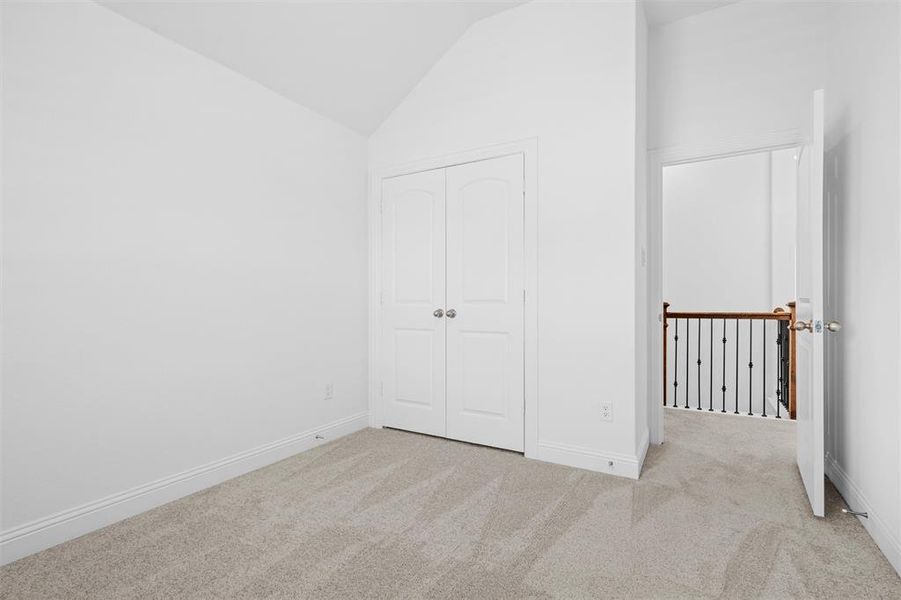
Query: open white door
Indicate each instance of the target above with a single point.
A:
(809, 324)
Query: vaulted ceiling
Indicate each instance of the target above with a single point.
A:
(352, 61)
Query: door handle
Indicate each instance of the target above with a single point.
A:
(833, 326)
(802, 325)
(451, 313)
(439, 312)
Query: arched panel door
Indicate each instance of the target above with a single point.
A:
(413, 293)
(485, 306)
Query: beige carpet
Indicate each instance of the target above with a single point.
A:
(719, 512)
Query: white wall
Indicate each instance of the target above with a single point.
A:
(749, 69)
(566, 74)
(184, 269)
(716, 234)
(862, 195)
(783, 234)
(728, 231)
(746, 68)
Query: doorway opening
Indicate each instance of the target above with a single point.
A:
(716, 231)
(729, 239)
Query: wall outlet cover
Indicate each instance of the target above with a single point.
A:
(606, 411)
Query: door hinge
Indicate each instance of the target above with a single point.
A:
(523, 296)
(381, 298)
(381, 390)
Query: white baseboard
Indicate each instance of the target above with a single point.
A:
(623, 465)
(885, 538)
(43, 533)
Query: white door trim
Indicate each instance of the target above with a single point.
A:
(657, 159)
(529, 149)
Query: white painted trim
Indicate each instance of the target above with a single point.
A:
(623, 465)
(657, 159)
(643, 446)
(885, 538)
(898, 370)
(529, 149)
(43, 533)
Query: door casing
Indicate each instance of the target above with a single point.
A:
(529, 149)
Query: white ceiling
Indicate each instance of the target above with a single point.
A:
(350, 61)
(661, 12)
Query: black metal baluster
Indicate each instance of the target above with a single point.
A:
(710, 402)
(786, 371)
(699, 364)
(750, 366)
(764, 368)
(687, 357)
(676, 367)
(723, 407)
(778, 366)
(780, 390)
(736, 366)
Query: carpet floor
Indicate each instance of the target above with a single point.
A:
(718, 512)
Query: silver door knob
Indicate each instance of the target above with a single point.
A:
(802, 325)
(439, 312)
(834, 326)
(451, 313)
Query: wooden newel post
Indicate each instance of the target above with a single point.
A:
(665, 325)
(792, 361)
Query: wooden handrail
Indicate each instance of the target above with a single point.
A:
(772, 316)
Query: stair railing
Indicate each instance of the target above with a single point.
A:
(709, 361)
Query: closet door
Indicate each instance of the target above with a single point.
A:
(485, 302)
(413, 302)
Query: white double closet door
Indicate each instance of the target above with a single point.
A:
(452, 302)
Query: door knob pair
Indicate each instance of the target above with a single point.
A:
(451, 313)
(833, 326)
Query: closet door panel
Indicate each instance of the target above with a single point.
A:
(485, 276)
(413, 286)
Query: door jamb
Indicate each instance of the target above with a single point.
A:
(664, 157)
(529, 149)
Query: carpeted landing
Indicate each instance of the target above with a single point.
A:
(719, 512)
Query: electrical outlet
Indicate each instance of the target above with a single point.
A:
(329, 391)
(606, 411)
